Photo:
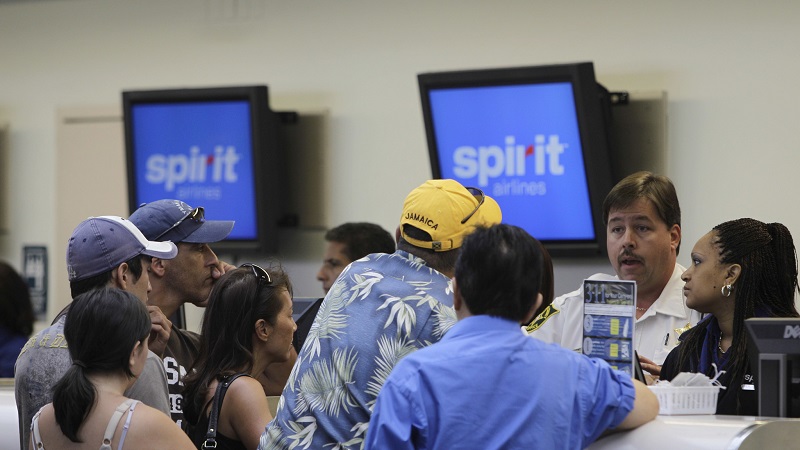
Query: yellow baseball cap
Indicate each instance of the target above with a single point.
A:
(448, 212)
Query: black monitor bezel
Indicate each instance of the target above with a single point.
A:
(265, 153)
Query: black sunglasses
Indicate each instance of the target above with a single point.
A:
(197, 215)
(477, 193)
(259, 272)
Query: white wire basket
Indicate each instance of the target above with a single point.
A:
(678, 400)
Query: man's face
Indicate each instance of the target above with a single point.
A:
(641, 247)
(141, 287)
(334, 261)
(190, 273)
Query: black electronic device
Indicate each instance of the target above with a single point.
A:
(773, 346)
(304, 311)
(300, 305)
(210, 147)
(638, 373)
(534, 138)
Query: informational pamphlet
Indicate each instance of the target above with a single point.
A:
(609, 315)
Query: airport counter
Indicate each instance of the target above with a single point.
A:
(665, 432)
(707, 432)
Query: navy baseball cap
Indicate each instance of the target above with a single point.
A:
(100, 244)
(174, 220)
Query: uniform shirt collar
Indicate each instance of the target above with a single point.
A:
(666, 303)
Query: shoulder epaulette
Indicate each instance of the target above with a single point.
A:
(548, 312)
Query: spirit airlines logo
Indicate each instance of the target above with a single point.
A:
(493, 161)
(172, 170)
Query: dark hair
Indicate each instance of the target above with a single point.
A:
(499, 272)
(101, 280)
(443, 262)
(766, 285)
(237, 301)
(16, 311)
(649, 186)
(101, 329)
(361, 238)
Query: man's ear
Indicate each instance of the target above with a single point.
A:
(262, 330)
(675, 236)
(458, 302)
(121, 276)
(158, 267)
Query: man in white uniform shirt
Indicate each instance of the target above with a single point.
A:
(643, 230)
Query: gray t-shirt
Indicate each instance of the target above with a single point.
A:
(45, 359)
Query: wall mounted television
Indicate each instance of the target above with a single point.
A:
(534, 138)
(210, 147)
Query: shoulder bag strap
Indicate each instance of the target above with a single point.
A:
(222, 387)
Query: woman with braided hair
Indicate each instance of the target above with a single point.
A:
(741, 269)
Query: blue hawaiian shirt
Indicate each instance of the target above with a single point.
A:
(380, 309)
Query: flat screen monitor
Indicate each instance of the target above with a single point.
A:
(210, 147)
(534, 138)
(300, 305)
(773, 346)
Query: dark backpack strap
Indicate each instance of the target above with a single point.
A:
(222, 387)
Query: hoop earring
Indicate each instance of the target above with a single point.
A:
(726, 290)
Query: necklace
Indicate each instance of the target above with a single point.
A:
(719, 344)
(641, 309)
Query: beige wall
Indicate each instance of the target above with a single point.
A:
(729, 68)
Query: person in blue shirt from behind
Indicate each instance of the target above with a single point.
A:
(380, 309)
(486, 385)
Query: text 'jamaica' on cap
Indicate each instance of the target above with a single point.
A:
(448, 212)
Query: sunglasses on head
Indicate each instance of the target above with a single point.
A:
(477, 193)
(197, 215)
(259, 272)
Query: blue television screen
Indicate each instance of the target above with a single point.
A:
(210, 147)
(201, 153)
(532, 138)
(520, 145)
